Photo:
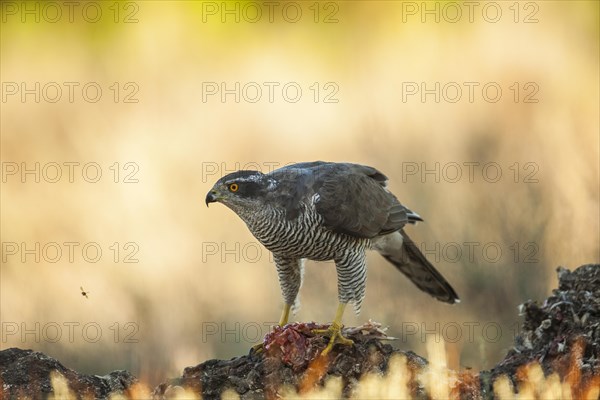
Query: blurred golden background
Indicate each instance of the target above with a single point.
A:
(117, 118)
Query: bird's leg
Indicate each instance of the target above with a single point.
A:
(335, 330)
(285, 314)
(289, 272)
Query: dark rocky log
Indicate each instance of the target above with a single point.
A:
(27, 374)
(561, 335)
(291, 358)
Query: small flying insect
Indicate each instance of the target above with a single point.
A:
(83, 292)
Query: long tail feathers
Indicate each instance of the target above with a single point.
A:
(412, 263)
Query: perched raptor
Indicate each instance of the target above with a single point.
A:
(328, 211)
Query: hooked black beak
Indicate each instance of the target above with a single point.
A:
(211, 197)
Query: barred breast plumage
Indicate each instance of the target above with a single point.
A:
(303, 237)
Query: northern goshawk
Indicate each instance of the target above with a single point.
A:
(328, 211)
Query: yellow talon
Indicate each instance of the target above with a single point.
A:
(258, 348)
(335, 331)
(285, 315)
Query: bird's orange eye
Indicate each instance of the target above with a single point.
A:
(234, 187)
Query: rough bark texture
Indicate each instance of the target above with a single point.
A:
(26, 374)
(562, 335)
(291, 358)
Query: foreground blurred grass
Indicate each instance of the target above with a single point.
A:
(175, 292)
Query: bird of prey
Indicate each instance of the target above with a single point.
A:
(328, 211)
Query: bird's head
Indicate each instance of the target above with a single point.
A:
(241, 190)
